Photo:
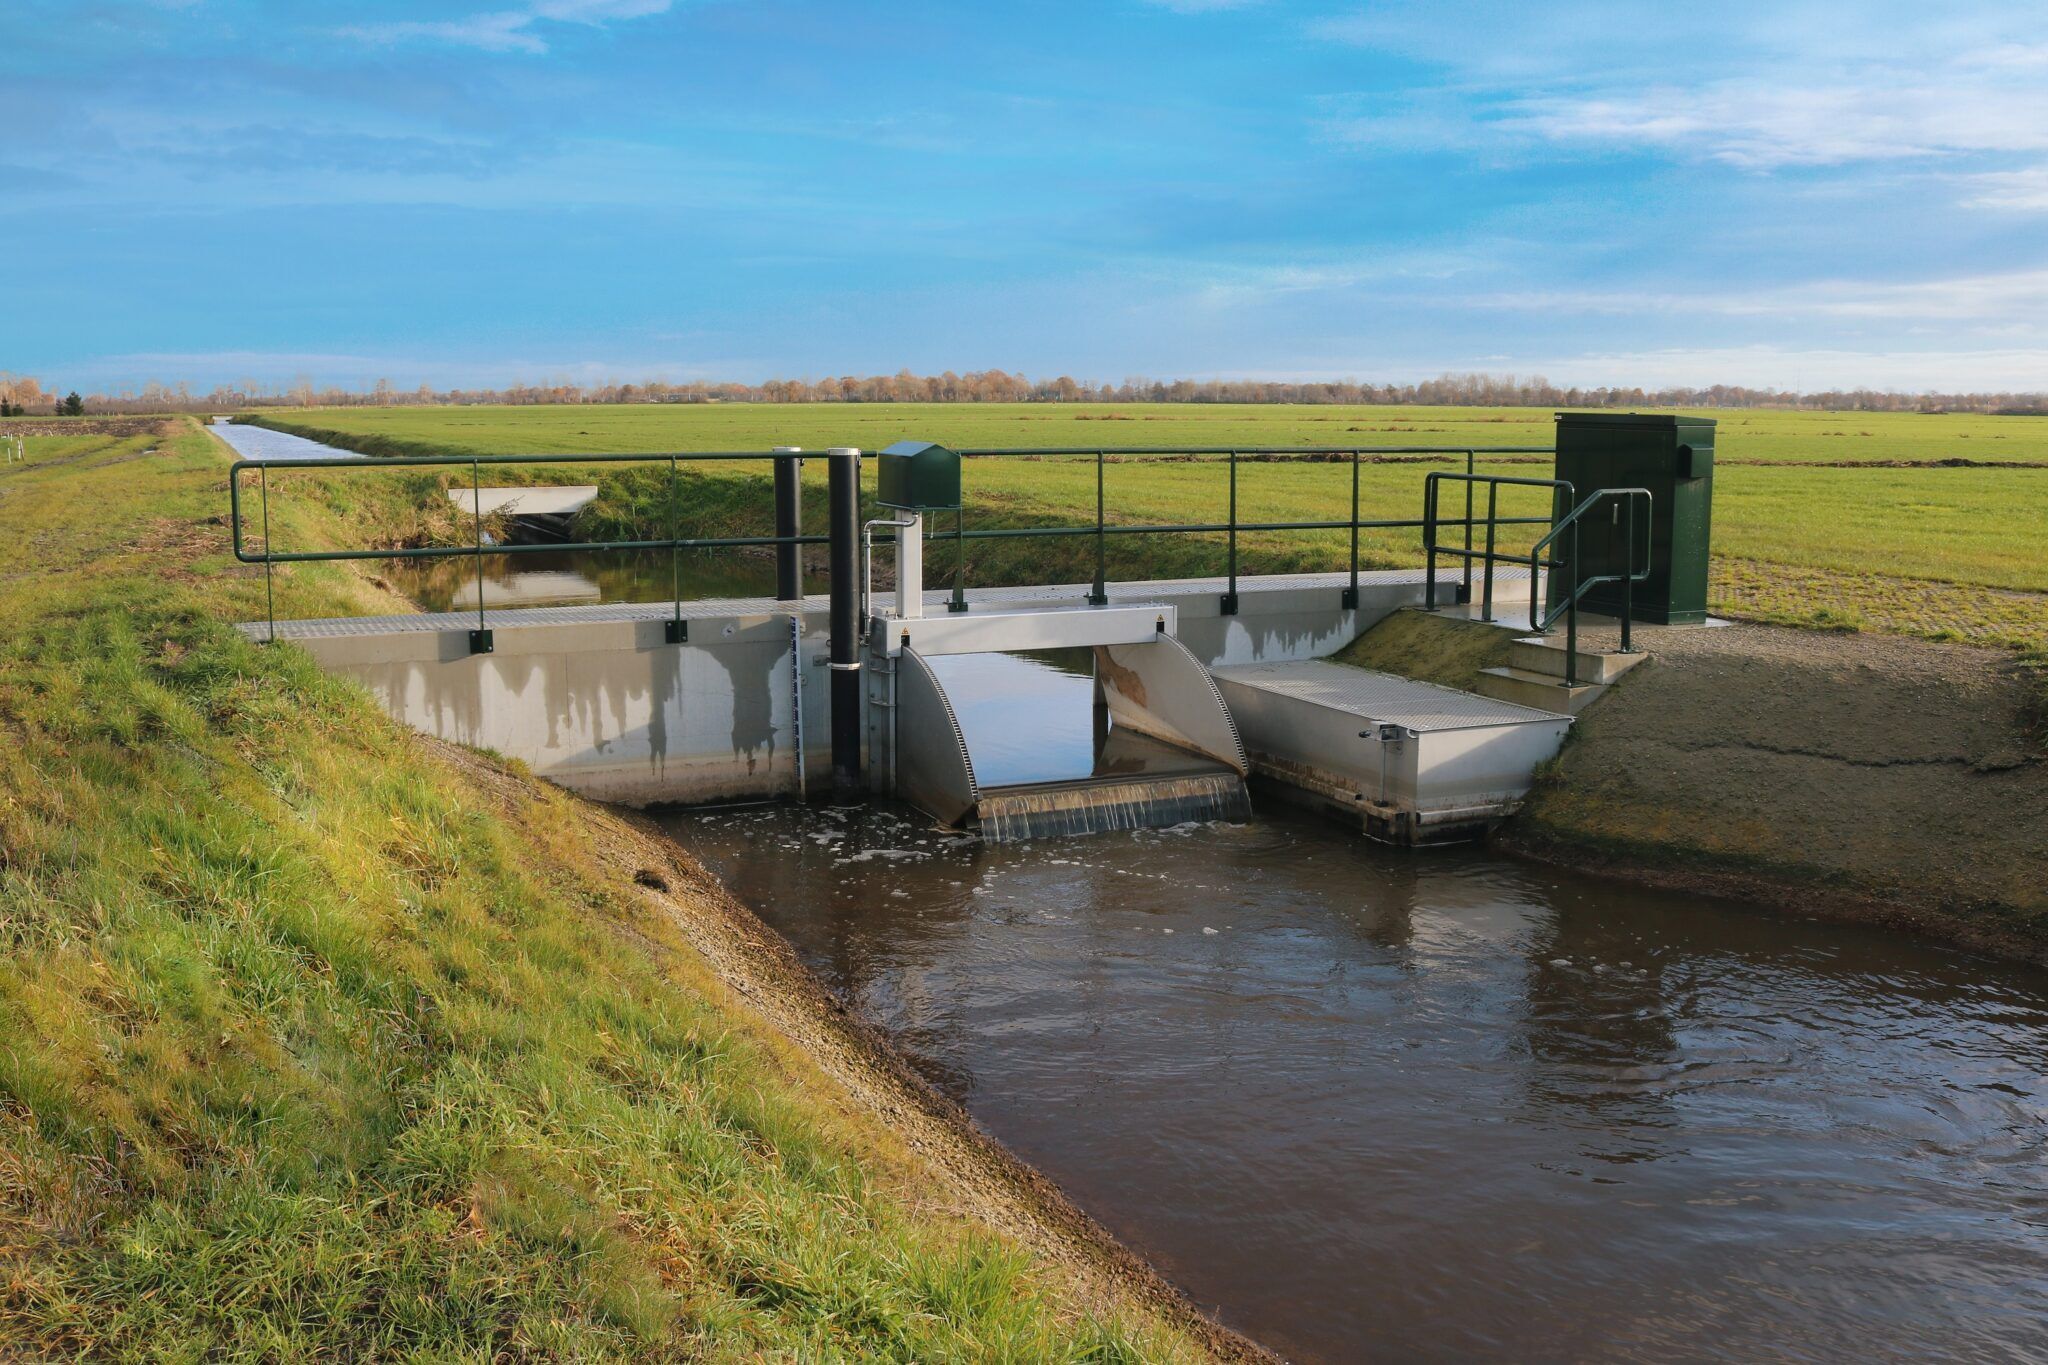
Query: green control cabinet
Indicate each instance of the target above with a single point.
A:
(918, 476)
(1673, 457)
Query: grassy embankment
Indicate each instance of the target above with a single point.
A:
(1919, 525)
(325, 1041)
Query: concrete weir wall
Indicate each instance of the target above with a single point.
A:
(606, 707)
(595, 698)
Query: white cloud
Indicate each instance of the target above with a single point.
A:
(1806, 370)
(2010, 56)
(276, 369)
(507, 30)
(2017, 191)
(1766, 124)
(1931, 89)
(598, 11)
(503, 31)
(2007, 300)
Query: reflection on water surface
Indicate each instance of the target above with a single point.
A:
(1449, 1105)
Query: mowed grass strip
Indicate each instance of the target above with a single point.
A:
(319, 1047)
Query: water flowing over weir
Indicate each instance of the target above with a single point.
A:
(1097, 807)
(1045, 758)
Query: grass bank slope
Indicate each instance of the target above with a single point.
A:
(1919, 525)
(1832, 773)
(325, 1041)
(1827, 772)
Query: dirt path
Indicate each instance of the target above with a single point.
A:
(1850, 775)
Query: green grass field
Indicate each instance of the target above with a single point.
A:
(1816, 520)
(316, 1045)
(1746, 434)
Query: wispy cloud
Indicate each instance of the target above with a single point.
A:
(1810, 369)
(1785, 101)
(2024, 191)
(506, 30)
(503, 31)
(598, 11)
(407, 370)
(1769, 124)
(2003, 300)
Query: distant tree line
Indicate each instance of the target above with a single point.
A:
(27, 396)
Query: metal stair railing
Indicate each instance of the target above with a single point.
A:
(1566, 516)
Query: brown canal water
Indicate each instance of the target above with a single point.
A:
(546, 578)
(1372, 1104)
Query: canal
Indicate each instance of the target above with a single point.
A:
(1377, 1104)
(533, 578)
(1369, 1103)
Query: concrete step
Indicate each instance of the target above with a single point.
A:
(1542, 654)
(1544, 691)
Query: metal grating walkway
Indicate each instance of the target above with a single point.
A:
(511, 618)
(1420, 706)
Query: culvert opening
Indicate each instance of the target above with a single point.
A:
(1049, 758)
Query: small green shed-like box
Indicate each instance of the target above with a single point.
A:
(1672, 457)
(918, 476)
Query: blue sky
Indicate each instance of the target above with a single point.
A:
(1806, 195)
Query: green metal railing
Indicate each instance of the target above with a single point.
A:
(1235, 455)
(1100, 530)
(1566, 519)
(480, 640)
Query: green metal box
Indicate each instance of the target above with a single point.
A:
(918, 476)
(1671, 456)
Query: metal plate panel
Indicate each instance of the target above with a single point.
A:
(1008, 631)
(1368, 695)
(1161, 689)
(933, 771)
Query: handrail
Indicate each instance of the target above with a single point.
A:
(1561, 520)
(1101, 528)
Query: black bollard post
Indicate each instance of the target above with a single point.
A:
(844, 499)
(789, 521)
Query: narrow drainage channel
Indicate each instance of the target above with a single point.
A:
(535, 578)
(1444, 1105)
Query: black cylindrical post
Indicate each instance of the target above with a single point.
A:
(1230, 597)
(1429, 542)
(1098, 595)
(844, 509)
(789, 521)
(1465, 594)
(1628, 580)
(1492, 519)
(269, 565)
(1351, 593)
